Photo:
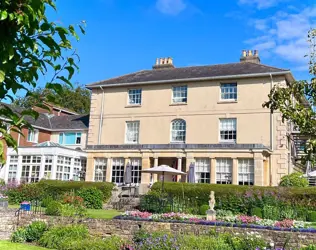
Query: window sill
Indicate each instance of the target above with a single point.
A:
(178, 104)
(228, 142)
(133, 106)
(177, 142)
(227, 101)
(33, 141)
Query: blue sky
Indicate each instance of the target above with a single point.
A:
(123, 36)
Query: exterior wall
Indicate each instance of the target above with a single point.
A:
(42, 137)
(201, 113)
(55, 138)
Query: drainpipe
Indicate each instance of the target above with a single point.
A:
(101, 117)
(271, 134)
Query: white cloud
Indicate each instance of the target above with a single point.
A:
(171, 7)
(261, 4)
(285, 35)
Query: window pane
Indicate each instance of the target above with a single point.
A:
(136, 167)
(228, 129)
(246, 172)
(134, 96)
(229, 91)
(178, 131)
(224, 171)
(70, 138)
(202, 170)
(132, 132)
(100, 169)
(61, 138)
(179, 94)
(118, 170)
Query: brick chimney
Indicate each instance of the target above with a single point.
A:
(250, 56)
(164, 63)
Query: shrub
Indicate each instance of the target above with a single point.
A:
(46, 200)
(294, 180)
(24, 192)
(19, 236)
(311, 216)
(310, 247)
(2, 182)
(54, 208)
(203, 209)
(93, 197)
(35, 231)
(271, 212)
(59, 235)
(287, 213)
(256, 211)
(57, 188)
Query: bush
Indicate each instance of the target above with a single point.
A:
(46, 200)
(271, 213)
(256, 211)
(93, 197)
(2, 182)
(203, 209)
(294, 180)
(54, 208)
(57, 188)
(24, 192)
(60, 235)
(35, 231)
(311, 216)
(19, 236)
(224, 213)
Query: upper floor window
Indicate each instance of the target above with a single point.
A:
(32, 135)
(179, 94)
(135, 96)
(132, 132)
(228, 130)
(178, 130)
(229, 91)
(70, 138)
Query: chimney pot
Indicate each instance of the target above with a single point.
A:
(249, 52)
(244, 53)
(163, 63)
(250, 56)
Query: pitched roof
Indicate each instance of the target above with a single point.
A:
(170, 74)
(51, 122)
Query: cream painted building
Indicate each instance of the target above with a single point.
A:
(210, 117)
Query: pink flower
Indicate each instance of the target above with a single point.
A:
(287, 223)
(248, 219)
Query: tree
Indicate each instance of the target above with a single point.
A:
(296, 102)
(31, 46)
(76, 99)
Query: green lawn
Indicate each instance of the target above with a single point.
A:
(102, 214)
(6, 245)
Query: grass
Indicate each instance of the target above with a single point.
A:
(6, 245)
(102, 214)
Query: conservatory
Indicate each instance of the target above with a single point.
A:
(47, 160)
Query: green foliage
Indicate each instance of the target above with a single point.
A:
(55, 188)
(76, 99)
(35, 231)
(93, 197)
(19, 236)
(294, 180)
(271, 212)
(2, 182)
(24, 192)
(310, 247)
(203, 209)
(224, 213)
(70, 210)
(46, 200)
(30, 46)
(287, 212)
(311, 216)
(244, 242)
(257, 211)
(54, 208)
(59, 235)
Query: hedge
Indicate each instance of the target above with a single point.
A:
(236, 195)
(55, 188)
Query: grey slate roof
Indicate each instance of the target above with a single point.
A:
(51, 122)
(218, 70)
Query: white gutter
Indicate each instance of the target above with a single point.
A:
(101, 117)
(190, 79)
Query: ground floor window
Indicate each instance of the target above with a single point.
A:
(246, 172)
(31, 165)
(118, 170)
(224, 168)
(100, 169)
(48, 166)
(202, 170)
(63, 168)
(13, 168)
(136, 168)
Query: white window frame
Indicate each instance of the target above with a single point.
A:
(202, 170)
(13, 168)
(181, 131)
(132, 134)
(48, 166)
(229, 89)
(77, 136)
(32, 135)
(63, 168)
(118, 170)
(246, 171)
(100, 163)
(134, 97)
(136, 168)
(31, 164)
(180, 94)
(224, 170)
(232, 132)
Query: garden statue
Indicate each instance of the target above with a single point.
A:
(211, 213)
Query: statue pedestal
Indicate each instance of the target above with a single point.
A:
(211, 215)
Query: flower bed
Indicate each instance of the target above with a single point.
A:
(229, 221)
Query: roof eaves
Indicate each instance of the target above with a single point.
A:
(192, 79)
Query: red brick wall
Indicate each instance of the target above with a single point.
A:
(42, 136)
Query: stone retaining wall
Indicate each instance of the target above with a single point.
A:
(126, 228)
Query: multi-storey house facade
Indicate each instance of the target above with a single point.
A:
(210, 117)
(52, 150)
